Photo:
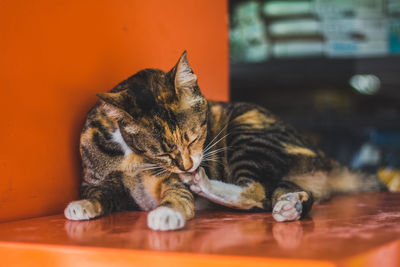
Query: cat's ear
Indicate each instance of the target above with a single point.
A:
(183, 74)
(120, 103)
(114, 99)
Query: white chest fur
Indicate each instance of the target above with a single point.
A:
(117, 137)
(141, 188)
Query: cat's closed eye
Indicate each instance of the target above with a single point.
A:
(194, 141)
(168, 152)
(164, 155)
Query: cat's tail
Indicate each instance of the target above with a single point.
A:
(340, 180)
(343, 180)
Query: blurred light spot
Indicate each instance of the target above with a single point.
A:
(367, 84)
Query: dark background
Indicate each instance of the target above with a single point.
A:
(313, 93)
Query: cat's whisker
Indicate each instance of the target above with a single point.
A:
(160, 172)
(151, 168)
(211, 142)
(216, 161)
(215, 143)
(211, 145)
(211, 155)
(155, 166)
(157, 170)
(210, 158)
(146, 164)
(215, 151)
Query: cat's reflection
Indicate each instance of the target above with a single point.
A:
(290, 235)
(118, 231)
(205, 234)
(347, 219)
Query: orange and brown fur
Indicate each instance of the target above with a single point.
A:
(154, 140)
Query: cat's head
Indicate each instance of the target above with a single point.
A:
(162, 116)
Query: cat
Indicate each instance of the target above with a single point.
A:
(154, 142)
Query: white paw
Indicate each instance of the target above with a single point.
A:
(81, 210)
(164, 219)
(288, 208)
(200, 182)
(186, 177)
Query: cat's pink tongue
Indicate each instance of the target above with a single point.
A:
(194, 172)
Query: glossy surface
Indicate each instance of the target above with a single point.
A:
(54, 57)
(358, 229)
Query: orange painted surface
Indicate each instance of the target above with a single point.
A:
(29, 255)
(54, 57)
(358, 230)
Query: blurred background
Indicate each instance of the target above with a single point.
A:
(331, 68)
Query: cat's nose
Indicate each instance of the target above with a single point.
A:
(186, 164)
(186, 168)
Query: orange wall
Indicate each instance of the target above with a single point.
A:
(54, 56)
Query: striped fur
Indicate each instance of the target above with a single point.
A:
(154, 140)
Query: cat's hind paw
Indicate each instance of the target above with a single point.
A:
(82, 210)
(289, 207)
(165, 219)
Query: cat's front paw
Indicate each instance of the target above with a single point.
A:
(200, 183)
(289, 207)
(186, 178)
(165, 219)
(82, 210)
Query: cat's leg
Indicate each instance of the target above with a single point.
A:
(246, 196)
(176, 205)
(290, 202)
(83, 209)
(99, 199)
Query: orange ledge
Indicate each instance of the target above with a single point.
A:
(356, 230)
(26, 254)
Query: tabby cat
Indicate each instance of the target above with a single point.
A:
(154, 142)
